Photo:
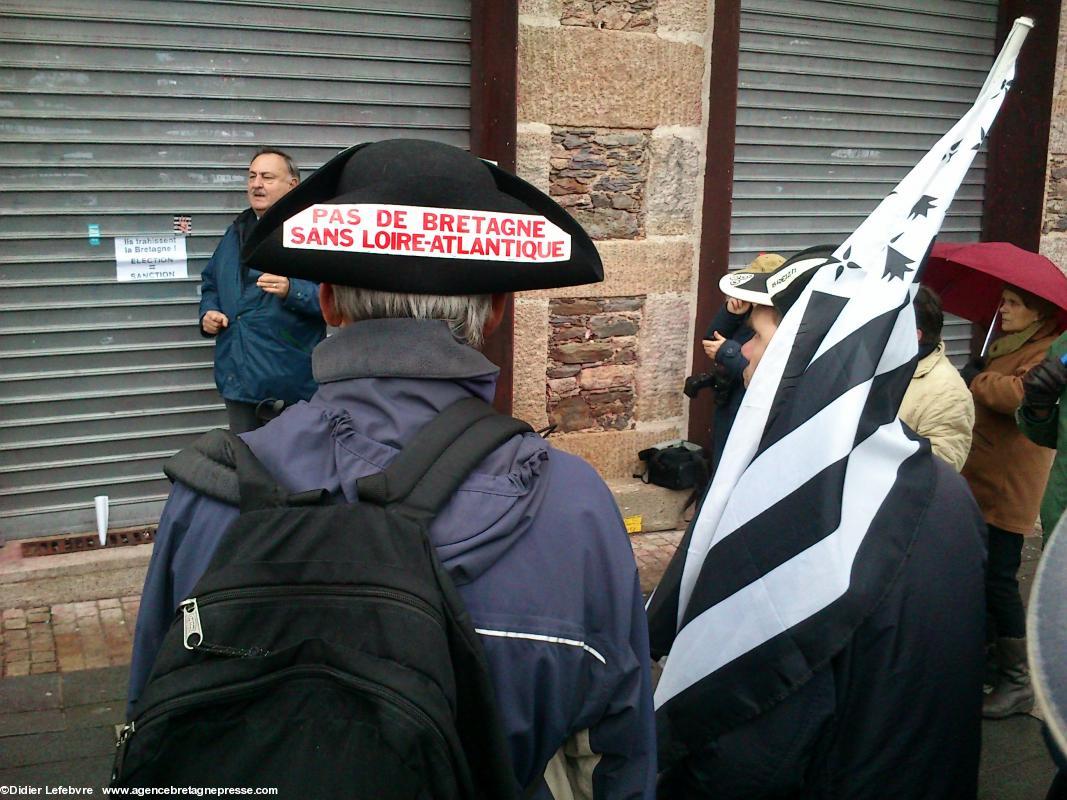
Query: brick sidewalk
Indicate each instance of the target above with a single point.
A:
(652, 552)
(68, 637)
(99, 633)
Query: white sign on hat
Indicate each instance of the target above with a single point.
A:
(427, 232)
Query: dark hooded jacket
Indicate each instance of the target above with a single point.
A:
(533, 540)
(265, 351)
(729, 366)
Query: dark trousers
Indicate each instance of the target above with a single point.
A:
(1004, 604)
(242, 416)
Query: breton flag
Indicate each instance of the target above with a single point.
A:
(820, 489)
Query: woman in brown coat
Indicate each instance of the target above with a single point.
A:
(1007, 474)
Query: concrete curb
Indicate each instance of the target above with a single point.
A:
(648, 508)
(120, 572)
(73, 577)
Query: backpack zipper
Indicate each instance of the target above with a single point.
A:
(120, 745)
(233, 692)
(192, 626)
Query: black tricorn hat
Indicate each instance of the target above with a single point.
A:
(406, 215)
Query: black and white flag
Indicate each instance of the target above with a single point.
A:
(820, 488)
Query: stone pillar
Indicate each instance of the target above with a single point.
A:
(612, 119)
(1054, 231)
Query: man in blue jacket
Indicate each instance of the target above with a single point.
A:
(532, 539)
(266, 324)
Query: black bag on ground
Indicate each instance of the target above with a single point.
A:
(325, 652)
(679, 465)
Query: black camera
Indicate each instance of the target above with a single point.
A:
(694, 383)
(722, 385)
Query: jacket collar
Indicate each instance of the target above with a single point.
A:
(244, 223)
(928, 363)
(397, 348)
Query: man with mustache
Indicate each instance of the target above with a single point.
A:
(266, 325)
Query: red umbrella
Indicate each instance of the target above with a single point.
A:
(970, 278)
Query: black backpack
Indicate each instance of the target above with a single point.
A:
(680, 465)
(325, 652)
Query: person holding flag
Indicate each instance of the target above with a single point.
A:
(917, 656)
(824, 614)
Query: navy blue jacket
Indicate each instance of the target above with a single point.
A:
(265, 351)
(733, 328)
(533, 540)
(729, 364)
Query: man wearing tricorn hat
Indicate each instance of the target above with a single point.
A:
(415, 245)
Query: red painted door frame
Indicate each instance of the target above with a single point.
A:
(1014, 209)
(494, 98)
(1015, 172)
(718, 197)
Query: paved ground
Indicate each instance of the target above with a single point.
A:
(652, 552)
(65, 673)
(58, 729)
(68, 637)
(1015, 763)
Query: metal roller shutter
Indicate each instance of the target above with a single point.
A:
(123, 113)
(837, 100)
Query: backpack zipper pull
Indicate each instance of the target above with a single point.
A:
(120, 753)
(126, 732)
(193, 632)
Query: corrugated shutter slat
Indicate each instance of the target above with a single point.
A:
(122, 114)
(837, 100)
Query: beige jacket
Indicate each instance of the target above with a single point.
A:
(939, 406)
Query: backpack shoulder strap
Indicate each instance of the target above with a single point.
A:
(220, 465)
(208, 465)
(428, 471)
(421, 478)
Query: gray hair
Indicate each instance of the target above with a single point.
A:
(466, 315)
(290, 164)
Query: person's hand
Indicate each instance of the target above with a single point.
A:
(711, 346)
(1043, 385)
(971, 369)
(213, 322)
(274, 284)
(737, 307)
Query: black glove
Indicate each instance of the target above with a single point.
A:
(971, 369)
(1043, 385)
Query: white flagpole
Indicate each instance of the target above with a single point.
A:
(1009, 52)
